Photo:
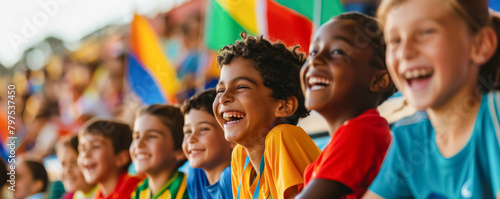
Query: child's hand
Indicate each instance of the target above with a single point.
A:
(498, 194)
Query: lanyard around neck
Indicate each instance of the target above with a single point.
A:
(257, 189)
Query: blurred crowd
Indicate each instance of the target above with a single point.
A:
(74, 85)
(59, 86)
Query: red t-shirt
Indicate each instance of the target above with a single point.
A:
(124, 187)
(355, 153)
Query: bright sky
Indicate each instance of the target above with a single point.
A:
(27, 22)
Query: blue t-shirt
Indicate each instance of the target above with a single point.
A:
(198, 186)
(414, 167)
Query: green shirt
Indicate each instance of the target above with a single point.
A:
(174, 188)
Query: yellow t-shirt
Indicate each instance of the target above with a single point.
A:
(288, 152)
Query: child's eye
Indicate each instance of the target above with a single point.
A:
(427, 31)
(220, 90)
(338, 52)
(187, 132)
(312, 53)
(241, 87)
(152, 136)
(394, 41)
(205, 129)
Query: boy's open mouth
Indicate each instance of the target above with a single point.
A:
(317, 83)
(90, 167)
(142, 156)
(193, 152)
(232, 116)
(418, 78)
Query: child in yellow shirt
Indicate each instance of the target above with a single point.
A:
(258, 104)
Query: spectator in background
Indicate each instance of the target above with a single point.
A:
(187, 69)
(104, 158)
(31, 180)
(42, 131)
(72, 178)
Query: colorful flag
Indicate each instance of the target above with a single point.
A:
(291, 21)
(150, 73)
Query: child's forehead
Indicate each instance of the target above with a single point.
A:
(199, 116)
(333, 27)
(240, 69)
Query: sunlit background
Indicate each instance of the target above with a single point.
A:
(71, 60)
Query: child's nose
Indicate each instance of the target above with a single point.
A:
(406, 50)
(193, 137)
(316, 61)
(226, 97)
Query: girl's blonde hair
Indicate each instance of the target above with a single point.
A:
(477, 16)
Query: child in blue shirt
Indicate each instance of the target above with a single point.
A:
(444, 57)
(206, 148)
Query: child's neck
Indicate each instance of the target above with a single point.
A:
(213, 174)
(255, 153)
(454, 121)
(157, 180)
(108, 185)
(87, 188)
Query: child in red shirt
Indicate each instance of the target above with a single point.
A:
(103, 158)
(344, 79)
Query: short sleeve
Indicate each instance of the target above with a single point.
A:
(390, 181)
(196, 179)
(493, 147)
(288, 152)
(225, 183)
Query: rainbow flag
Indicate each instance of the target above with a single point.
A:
(150, 73)
(291, 21)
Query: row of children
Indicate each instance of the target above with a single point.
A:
(442, 55)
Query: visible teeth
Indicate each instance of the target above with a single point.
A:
(412, 74)
(317, 87)
(318, 80)
(228, 116)
(194, 152)
(142, 156)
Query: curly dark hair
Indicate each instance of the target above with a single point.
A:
(201, 101)
(377, 43)
(278, 66)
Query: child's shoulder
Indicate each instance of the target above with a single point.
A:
(368, 125)
(290, 137)
(287, 129)
(286, 133)
(411, 128)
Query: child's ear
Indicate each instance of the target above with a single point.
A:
(287, 108)
(380, 82)
(484, 45)
(122, 158)
(179, 155)
(37, 186)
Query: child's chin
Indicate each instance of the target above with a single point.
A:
(91, 180)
